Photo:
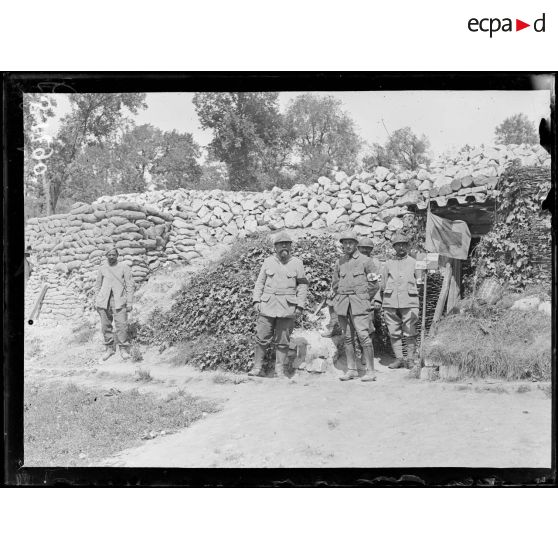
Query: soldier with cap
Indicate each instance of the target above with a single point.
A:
(366, 247)
(114, 290)
(352, 304)
(279, 296)
(399, 297)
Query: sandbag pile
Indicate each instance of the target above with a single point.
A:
(151, 228)
(68, 249)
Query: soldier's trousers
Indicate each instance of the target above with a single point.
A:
(401, 322)
(120, 318)
(354, 327)
(276, 330)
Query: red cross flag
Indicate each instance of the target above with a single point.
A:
(449, 238)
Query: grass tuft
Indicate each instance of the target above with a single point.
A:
(493, 342)
(64, 421)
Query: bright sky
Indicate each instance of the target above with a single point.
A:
(450, 119)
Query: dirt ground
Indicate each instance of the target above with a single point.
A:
(315, 420)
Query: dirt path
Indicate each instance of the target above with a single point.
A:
(317, 421)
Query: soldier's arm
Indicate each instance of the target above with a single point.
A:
(259, 286)
(128, 285)
(383, 279)
(335, 279)
(301, 285)
(98, 282)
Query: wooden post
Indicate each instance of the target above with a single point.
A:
(443, 293)
(423, 323)
(38, 305)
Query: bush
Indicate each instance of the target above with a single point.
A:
(213, 314)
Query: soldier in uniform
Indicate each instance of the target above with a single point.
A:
(352, 304)
(398, 295)
(279, 296)
(366, 247)
(114, 291)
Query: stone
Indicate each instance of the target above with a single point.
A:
(358, 207)
(409, 198)
(324, 181)
(395, 224)
(310, 218)
(293, 220)
(378, 226)
(545, 307)
(340, 177)
(480, 180)
(323, 207)
(381, 198)
(527, 304)
(248, 204)
(425, 185)
(423, 175)
(332, 217)
(380, 173)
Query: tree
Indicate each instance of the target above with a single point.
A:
(376, 157)
(516, 129)
(96, 119)
(37, 145)
(403, 149)
(248, 134)
(323, 136)
(143, 156)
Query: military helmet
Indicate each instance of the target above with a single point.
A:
(348, 235)
(282, 236)
(399, 238)
(365, 242)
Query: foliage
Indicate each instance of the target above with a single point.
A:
(37, 145)
(516, 129)
(66, 425)
(213, 313)
(324, 136)
(96, 119)
(517, 249)
(248, 134)
(404, 149)
(493, 341)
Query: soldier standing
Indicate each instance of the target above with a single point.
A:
(398, 295)
(366, 247)
(279, 296)
(352, 304)
(114, 290)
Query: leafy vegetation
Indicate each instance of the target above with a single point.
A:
(517, 249)
(213, 317)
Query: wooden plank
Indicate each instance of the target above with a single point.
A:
(454, 285)
(443, 292)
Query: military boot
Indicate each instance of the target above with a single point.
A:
(351, 373)
(109, 351)
(370, 375)
(397, 346)
(411, 360)
(125, 352)
(281, 358)
(259, 354)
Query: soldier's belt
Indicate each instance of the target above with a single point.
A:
(280, 291)
(345, 292)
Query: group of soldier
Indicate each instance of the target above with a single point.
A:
(360, 286)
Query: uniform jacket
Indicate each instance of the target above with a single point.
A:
(116, 279)
(281, 287)
(350, 284)
(398, 284)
